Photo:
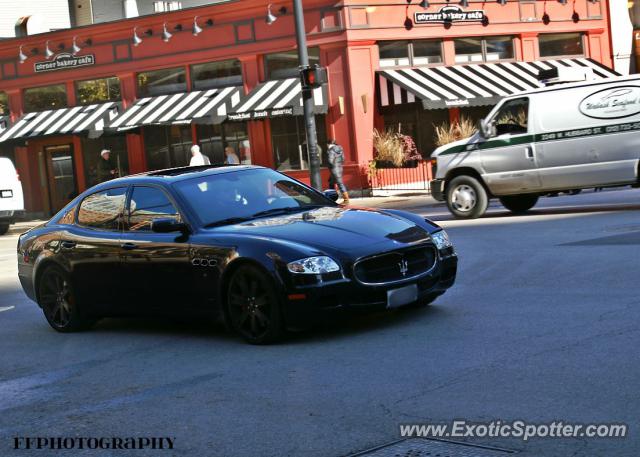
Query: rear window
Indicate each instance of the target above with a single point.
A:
(103, 210)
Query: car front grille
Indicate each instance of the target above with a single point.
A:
(395, 266)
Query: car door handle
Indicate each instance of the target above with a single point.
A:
(129, 246)
(68, 244)
(529, 152)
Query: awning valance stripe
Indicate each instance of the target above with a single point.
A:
(472, 84)
(199, 106)
(280, 97)
(91, 118)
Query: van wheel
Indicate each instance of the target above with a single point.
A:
(466, 197)
(4, 228)
(519, 203)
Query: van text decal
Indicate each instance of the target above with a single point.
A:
(612, 103)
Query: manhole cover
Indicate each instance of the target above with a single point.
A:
(423, 447)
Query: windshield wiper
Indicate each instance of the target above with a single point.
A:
(287, 210)
(228, 221)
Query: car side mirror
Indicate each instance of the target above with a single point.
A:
(331, 195)
(168, 225)
(486, 129)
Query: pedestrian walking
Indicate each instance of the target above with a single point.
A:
(106, 170)
(335, 157)
(197, 157)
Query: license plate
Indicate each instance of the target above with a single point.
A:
(402, 296)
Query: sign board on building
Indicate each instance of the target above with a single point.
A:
(264, 114)
(64, 61)
(450, 13)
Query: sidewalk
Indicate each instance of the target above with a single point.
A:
(406, 201)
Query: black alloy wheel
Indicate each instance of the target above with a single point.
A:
(253, 307)
(58, 302)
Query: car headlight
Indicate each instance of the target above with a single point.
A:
(441, 240)
(313, 265)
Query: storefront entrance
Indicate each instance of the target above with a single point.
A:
(61, 177)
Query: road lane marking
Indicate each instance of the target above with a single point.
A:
(6, 308)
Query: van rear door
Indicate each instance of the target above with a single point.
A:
(509, 158)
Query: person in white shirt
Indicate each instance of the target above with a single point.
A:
(231, 156)
(197, 157)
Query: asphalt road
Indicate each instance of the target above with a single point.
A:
(543, 325)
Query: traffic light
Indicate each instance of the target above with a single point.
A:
(314, 76)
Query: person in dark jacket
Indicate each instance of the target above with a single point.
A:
(106, 170)
(335, 157)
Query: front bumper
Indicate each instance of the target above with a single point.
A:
(326, 300)
(437, 189)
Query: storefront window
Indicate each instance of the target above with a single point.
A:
(214, 138)
(91, 149)
(282, 65)
(475, 113)
(411, 119)
(410, 53)
(288, 138)
(561, 44)
(216, 74)
(158, 82)
(98, 91)
(167, 146)
(4, 104)
(490, 49)
(45, 98)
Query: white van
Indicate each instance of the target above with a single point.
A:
(11, 198)
(559, 138)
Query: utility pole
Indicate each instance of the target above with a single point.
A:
(307, 98)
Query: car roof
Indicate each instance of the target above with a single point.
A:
(171, 175)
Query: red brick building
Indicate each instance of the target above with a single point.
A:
(233, 83)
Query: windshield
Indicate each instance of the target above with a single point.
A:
(228, 198)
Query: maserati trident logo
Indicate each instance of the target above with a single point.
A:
(404, 267)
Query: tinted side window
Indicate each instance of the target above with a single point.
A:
(147, 204)
(103, 210)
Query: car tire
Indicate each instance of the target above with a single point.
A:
(466, 197)
(253, 306)
(57, 299)
(519, 203)
(4, 228)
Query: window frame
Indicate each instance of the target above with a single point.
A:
(192, 79)
(76, 218)
(564, 56)
(483, 46)
(167, 194)
(185, 68)
(77, 95)
(411, 55)
(494, 115)
(24, 104)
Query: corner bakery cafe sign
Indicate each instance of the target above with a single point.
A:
(449, 14)
(64, 61)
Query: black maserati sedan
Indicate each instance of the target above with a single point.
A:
(251, 246)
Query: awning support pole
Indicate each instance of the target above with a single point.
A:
(307, 98)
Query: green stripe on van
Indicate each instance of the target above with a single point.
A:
(543, 137)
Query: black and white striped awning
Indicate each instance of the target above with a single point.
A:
(280, 97)
(471, 85)
(183, 108)
(4, 123)
(64, 121)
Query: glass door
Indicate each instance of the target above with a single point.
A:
(61, 175)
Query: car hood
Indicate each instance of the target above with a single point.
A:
(336, 228)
